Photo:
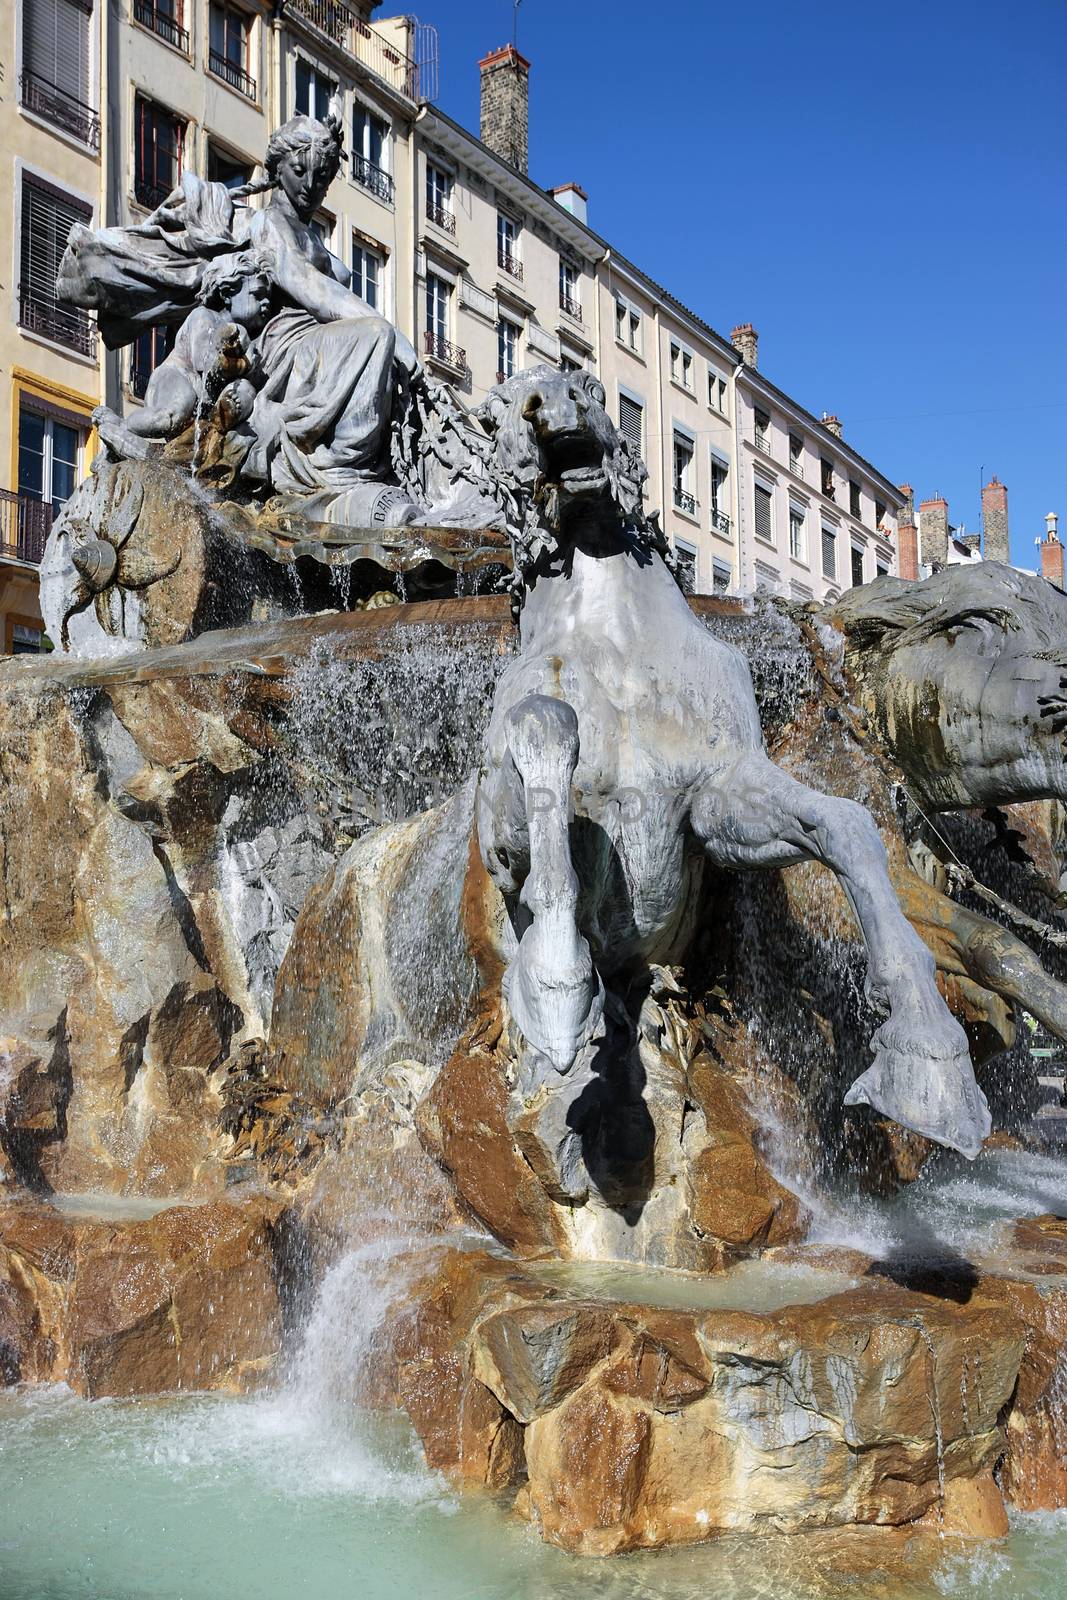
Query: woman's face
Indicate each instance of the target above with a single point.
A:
(305, 176)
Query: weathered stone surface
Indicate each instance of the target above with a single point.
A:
(187, 1299)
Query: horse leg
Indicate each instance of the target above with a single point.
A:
(553, 993)
(759, 817)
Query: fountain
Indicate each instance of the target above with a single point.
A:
(450, 975)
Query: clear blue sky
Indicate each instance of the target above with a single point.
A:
(879, 188)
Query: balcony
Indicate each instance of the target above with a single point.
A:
(796, 467)
(24, 527)
(441, 216)
(763, 443)
(684, 501)
(232, 74)
(573, 308)
(720, 521)
(70, 328)
(374, 179)
(149, 193)
(510, 264)
(55, 106)
(160, 23)
(443, 350)
(342, 25)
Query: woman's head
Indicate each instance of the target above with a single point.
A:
(303, 158)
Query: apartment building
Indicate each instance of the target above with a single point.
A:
(443, 231)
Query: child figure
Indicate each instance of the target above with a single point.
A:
(212, 361)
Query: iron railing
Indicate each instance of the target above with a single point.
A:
(796, 467)
(509, 263)
(159, 22)
(719, 520)
(763, 443)
(24, 527)
(231, 73)
(573, 308)
(443, 216)
(686, 502)
(373, 178)
(443, 350)
(140, 377)
(51, 321)
(343, 26)
(55, 105)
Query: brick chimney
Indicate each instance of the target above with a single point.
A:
(933, 532)
(1052, 552)
(907, 537)
(995, 520)
(832, 423)
(506, 106)
(745, 341)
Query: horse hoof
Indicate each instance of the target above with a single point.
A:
(937, 1098)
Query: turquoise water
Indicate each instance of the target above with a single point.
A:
(211, 1498)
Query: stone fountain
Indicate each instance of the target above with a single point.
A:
(391, 850)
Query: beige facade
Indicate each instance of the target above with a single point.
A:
(481, 268)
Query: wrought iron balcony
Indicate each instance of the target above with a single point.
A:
(509, 263)
(763, 443)
(685, 502)
(796, 467)
(342, 24)
(232, 74)
(442, 216)
(55, 322)
(377, 181)
(573, 308)
(150, 193)
(56, 106)
(161, 23)
(444, 351)
(24, 527)
(719, 520)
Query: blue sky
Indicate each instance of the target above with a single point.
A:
(879, 188)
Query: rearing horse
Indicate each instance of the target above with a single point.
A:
(625, 750)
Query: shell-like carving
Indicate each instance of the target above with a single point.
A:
(97, 561)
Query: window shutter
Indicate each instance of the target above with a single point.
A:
(630, 416)
(829, 553)
(47, 218)
(764, 527)
(55, 45)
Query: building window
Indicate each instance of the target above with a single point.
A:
(227, 169)
(881, 570)
(796, 455)
(322, 226)
(716, 391)
(854, 502)
(157, 165)
(569, 301)
(26, 641)
(49, 458)
(829, 553)
(439, 198)
(507, 349)
(720, 519)
(826, 471)
(631, 418)
(164, 18)
(721, 576)
(56, 52)
(507, 245)
(146, 353)
(628, 325)
(681, 365)
(857, 567)
(762, 425)
(230, 34)
(685, 559)
(879, 513)
(368, 274)
(684, 499)
(569, 364)
(370, 154)
(47, 218)
(314, 91)
(764, 513)
(796, 533)
(438, 321)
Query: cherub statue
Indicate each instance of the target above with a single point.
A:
(213, 362)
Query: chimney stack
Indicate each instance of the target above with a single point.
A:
(745, 341)
(572, 197)
(1052, 553)
(933, 532)
(832, 423)
(908, 537)
(505, 115)
(995, 520)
